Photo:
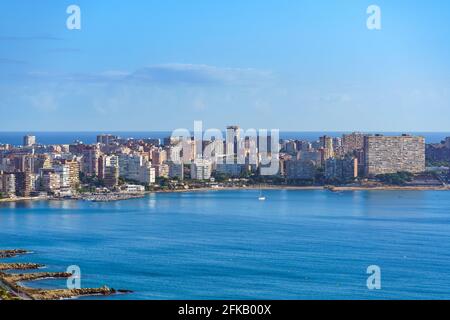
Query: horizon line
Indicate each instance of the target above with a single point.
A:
(281, 130)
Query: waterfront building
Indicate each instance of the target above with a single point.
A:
(314, 156)
(233, 170)
(50, 180)
(132, 188)
(7, 184)
(130, 166)
(147, 174)
(343, 170)
(284, 158)
(106, 161)
(74, 172)
(111, 176)
(176, 170)
(63, 171)
(392, 154)
(23, 182)
(35, 182)
(201, 169)
(300, 169)
(162, 170)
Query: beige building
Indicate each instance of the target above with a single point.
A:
(7, 184)
(328, 150)
(353, 142)
(384, 154)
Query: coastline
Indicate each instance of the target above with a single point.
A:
(328, 188)
(23, 199)
(392, 188)
(125, 197)
(13, 288)
(271, 187)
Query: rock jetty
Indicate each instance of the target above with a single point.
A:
(16, 290)
(11, 253)
(20, 266)
(109, 197)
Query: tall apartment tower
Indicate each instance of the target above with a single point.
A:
(328, 150)
(385, 154)
(233, 140)
(353, 142)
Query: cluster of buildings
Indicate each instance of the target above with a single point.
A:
(343, 159)
(33, 168)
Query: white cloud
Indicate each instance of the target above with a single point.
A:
(165, 74)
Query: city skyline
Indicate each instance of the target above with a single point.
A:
(259, 64)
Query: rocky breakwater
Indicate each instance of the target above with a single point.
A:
(11, 253)
(109, 197)
(13, 281)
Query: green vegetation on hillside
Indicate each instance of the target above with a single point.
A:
(398, 179)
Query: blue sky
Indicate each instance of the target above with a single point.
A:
(158, 65)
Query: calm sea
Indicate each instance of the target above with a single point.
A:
(16, 138)
(229, 245)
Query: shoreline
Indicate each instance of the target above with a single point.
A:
(325, 188)
(13, 287)
(124, 197)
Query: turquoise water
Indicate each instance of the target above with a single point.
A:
(229, 245)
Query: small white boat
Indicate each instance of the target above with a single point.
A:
(261, 197)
